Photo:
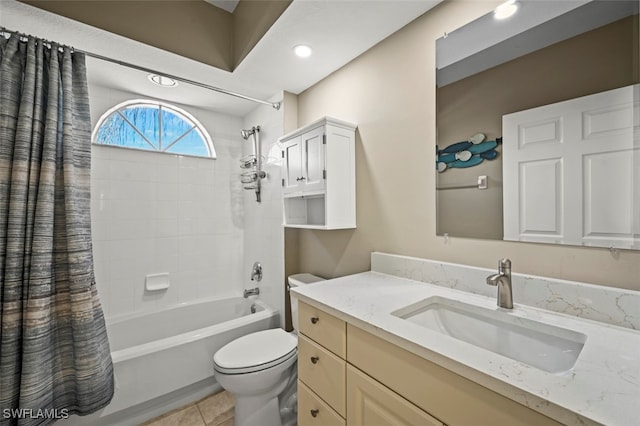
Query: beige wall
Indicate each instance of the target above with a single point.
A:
(389, 92)
(291, 260)
(194, 29)
(191, 28)
(593, 62)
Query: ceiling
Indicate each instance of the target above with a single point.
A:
(338, 31)
(228, 5)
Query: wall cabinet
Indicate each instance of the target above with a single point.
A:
(318, 175)
(304, 164)
(374, 382)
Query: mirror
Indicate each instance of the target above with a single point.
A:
(548, 58)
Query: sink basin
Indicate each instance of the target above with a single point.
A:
(540, 345)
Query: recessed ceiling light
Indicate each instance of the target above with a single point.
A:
(302, 50)
(506, 9)
(163, 81)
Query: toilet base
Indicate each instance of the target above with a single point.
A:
(278, 410)
(258, 395)
(289, 401)
(253, 411)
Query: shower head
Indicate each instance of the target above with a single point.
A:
(248, 132)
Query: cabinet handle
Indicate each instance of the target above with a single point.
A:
(314, 412)
(301, 178)
(314, 320)
(314, 360)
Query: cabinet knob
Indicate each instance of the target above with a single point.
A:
(314, 412)
(314, 320)
(315, 359)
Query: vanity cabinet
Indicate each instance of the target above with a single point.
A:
(322, 347)
(318, 175)
(371, 381)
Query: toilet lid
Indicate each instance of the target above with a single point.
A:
(255, 351)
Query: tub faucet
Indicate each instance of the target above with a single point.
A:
(503, 280)
(251, 292)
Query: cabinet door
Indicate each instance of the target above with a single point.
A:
(370, 403)
(293, 166)
(313, 160)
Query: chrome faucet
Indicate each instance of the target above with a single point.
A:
(251, 292)
(256, 272)
(503, 280)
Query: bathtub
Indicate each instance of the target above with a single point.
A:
(155, 354)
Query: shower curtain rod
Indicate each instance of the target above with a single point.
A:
(275, 105)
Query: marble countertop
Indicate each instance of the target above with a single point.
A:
(602, 388)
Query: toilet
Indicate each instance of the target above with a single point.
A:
(259, 369)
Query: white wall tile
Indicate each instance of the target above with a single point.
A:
(262, 222)
(165, 173)
(165, 247)
(165, 209)
(187, 226)
(170, 296)
(125, 229)
(121, 298)
(187, 285)
(167, 191)
(155, 212)
(129, 170)
(166, 263)
(165, 228)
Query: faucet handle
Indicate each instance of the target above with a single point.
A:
(256, 272)
(504, 266)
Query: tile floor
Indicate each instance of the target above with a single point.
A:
(214, 410)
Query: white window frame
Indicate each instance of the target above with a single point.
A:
(162, 105)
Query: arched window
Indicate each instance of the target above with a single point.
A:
(153, 126)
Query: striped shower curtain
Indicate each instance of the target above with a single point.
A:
(54, 353)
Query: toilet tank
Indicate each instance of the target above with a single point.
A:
(295, 281)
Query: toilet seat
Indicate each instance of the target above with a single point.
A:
(255, 352)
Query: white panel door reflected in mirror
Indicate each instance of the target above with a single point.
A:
(548, 52)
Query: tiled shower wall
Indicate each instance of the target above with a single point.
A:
(264, 235)
(154, 213)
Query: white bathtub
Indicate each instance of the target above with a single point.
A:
(157, 353)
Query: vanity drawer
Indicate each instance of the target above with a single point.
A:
(314, 411)
(323, 372)
(450, 397)
(325, 329)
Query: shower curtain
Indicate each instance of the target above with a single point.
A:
(54, 353)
